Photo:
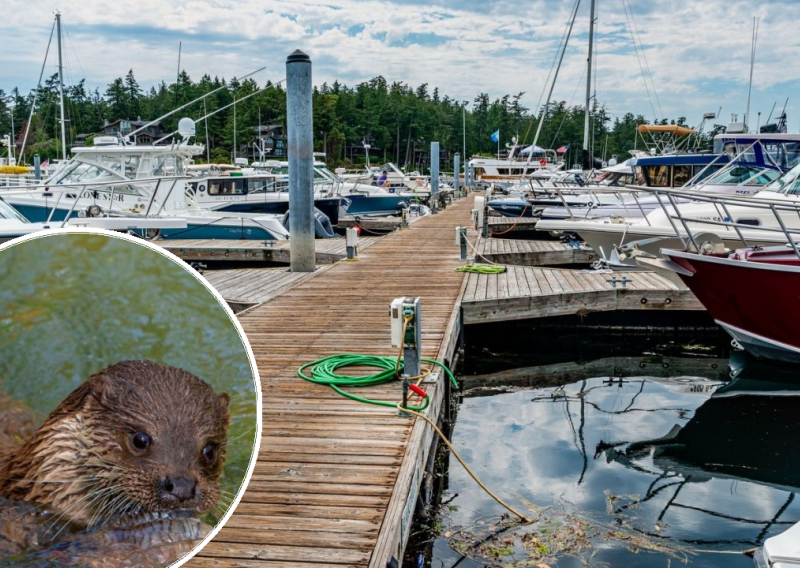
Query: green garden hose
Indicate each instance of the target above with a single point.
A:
(482, 268)
(324, 372)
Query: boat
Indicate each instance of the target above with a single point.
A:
(758, 168)
(750, 291)
(257, 192)
(13, 224)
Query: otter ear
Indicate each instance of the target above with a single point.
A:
(222, 408)
(103, 389)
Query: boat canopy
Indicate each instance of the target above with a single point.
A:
(534, 149)
(673, 129)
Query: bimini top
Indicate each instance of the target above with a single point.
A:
(665, 129)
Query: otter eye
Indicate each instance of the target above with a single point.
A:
(209, 453)
(141, 441)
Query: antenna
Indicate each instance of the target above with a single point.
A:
(752, 63)
(178, 76)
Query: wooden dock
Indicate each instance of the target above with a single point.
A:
(533, 253)
(336, 481)
(529, 293)
(243, 250)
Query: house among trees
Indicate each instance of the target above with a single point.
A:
(269, 144)
(124, 127)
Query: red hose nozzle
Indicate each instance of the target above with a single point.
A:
(418, 390)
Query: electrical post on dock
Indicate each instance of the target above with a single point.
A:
(457, 174)
(351, 243)
(461, 241)
(299, 122)
(406, 330)
(434, 177)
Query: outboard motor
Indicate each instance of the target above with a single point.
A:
(322, 225)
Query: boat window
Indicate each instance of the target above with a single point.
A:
(84, 172)
(657, 176)
(261, 185)
(764, 177)
(214, 187)
(167, 165)
(735, 175)
(8, 212)
(234, 186)
(479, 172)
(787, 183)
(703, 172)
(680, 175)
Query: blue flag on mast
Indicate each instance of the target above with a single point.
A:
(496, 135)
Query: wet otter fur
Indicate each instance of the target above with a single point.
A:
(136, 437)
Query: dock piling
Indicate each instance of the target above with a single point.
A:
(456, 174)
(37, 167)
(434, 177)
(299, 119)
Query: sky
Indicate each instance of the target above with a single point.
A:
(697, 51)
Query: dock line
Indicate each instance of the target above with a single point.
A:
(324, 371)
(511, 228)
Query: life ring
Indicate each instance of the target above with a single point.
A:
(543, 162)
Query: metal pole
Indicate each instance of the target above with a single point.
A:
(457, 174)
(300, 146)
(586, 161)
(434, 176)
(37, 167)
(61, 88)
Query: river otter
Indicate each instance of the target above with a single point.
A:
(137, 437)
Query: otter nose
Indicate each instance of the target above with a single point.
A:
(182, 488)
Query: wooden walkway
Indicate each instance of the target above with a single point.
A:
(243, 250)
(336, 481)
(243, 288)
(534, 253)
(525, 293)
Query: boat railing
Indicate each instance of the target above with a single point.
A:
(688, 227)
(111, 187)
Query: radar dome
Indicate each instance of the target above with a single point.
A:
(186, 127)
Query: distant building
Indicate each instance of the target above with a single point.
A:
(124, 127)
(269, 144)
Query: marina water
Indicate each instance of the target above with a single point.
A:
(627, 450)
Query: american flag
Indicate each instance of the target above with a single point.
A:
(45, 164)
(563, 149)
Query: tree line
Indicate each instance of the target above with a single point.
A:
(395, 119)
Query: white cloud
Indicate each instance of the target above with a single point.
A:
(698, 52)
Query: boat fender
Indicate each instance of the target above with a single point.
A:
(542, 162)
(322, 224)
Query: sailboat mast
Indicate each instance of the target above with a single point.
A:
(586, 159)
(61, 88)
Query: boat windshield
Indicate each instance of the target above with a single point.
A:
(8, 212)
(788, 183)
(743, 175)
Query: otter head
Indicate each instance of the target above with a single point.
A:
(136, 437)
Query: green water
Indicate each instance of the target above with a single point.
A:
(72, 304)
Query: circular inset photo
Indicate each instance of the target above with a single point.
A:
(129, 404)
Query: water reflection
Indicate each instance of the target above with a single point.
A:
(694, 460)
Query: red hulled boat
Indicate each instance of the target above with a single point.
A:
(753, 293)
